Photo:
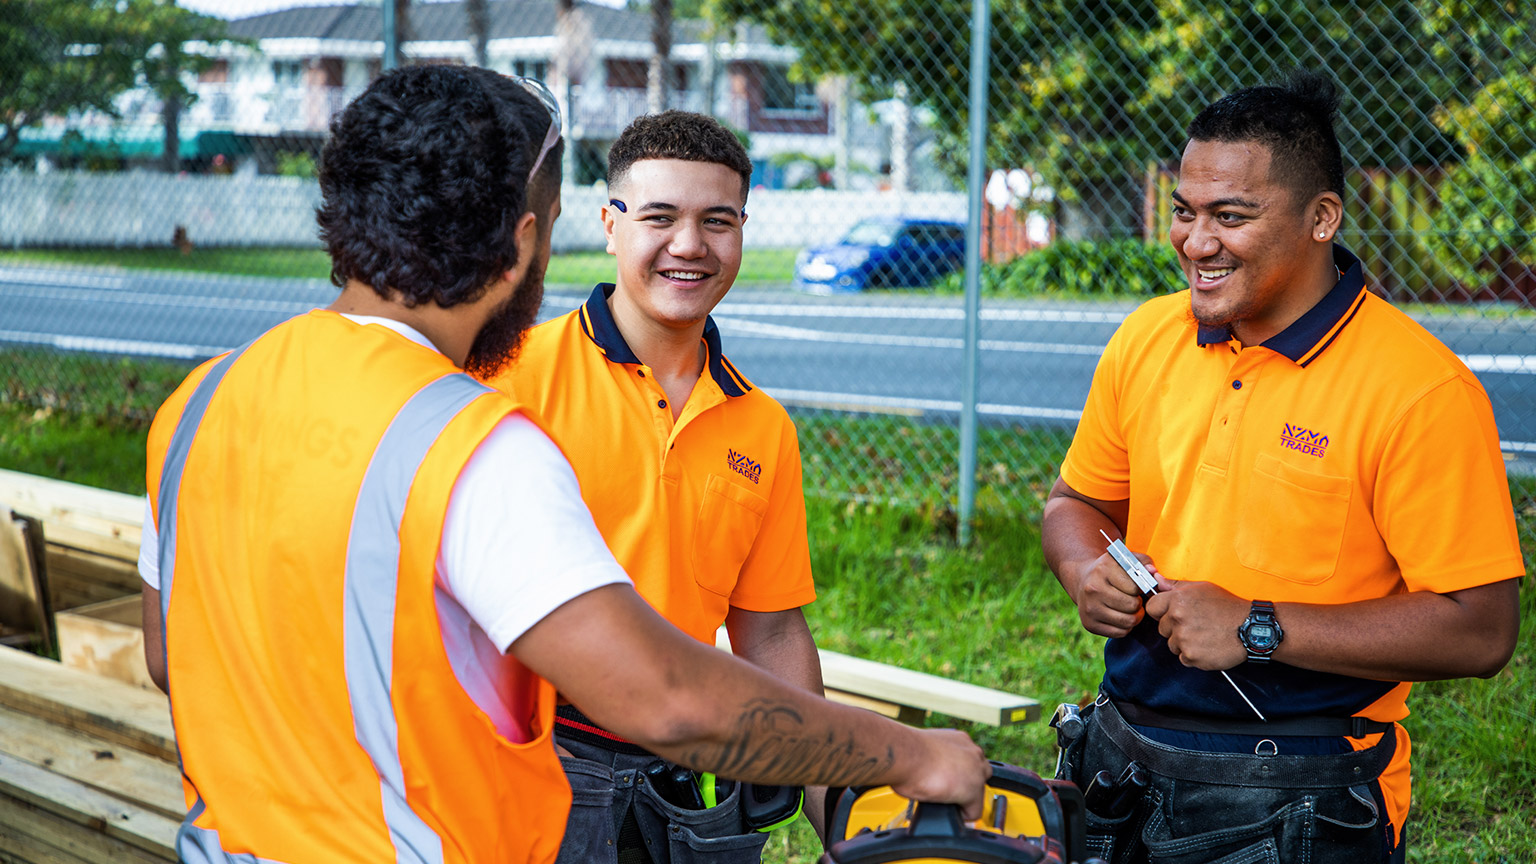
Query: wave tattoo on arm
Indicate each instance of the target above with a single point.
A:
(772, 743)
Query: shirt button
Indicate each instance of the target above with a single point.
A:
(640, 372)
(661, 403)
(1237, 385)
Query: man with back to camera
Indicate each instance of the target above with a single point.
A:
(692, 475)
(367, 574)
(1319, 482)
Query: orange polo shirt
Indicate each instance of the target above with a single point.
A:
(705, 512)
(1350, 457)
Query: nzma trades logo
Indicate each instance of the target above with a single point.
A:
(1304, 440)
(742, 465)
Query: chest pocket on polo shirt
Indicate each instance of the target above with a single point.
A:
(1292, 524)
(729, 518)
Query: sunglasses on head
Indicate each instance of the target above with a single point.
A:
(539, 91)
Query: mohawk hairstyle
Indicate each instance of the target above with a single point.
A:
(678, 135)
(1294, 118)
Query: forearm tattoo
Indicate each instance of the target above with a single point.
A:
(771, 742)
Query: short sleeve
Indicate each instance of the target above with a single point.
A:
(149, 549)
(518, 542)
(1442, 495)
(777, 572)
(1098, 462)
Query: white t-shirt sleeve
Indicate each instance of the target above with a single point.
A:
(518, 541)
(149, 549)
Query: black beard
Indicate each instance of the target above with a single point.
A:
(497, 343)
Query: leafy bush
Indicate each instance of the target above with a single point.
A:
(1487, 215)
(1088, 268)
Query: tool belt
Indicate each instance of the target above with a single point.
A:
(569, 721)
(1300, 727)
(1277, 771)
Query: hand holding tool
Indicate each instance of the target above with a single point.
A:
(1148, 584)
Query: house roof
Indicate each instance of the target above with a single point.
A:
(448, 22)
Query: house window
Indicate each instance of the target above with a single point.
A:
(288, 74)
(782, 94)
(216, 73)
(531, 69)
(628, 74)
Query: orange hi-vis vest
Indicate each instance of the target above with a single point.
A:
(299, 487)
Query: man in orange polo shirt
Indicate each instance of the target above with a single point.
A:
(1317, 485)
(691, 473)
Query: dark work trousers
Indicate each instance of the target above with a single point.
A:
(612, 806)
(1204, 807)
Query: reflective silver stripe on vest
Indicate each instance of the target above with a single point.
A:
(170, 476)
(194, 845)
(368, 616)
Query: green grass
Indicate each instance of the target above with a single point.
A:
(895, 587)
(758, 266)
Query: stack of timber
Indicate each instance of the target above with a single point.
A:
(87, 759)
(87, 767)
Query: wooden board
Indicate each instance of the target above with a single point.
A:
(928, 692)
(77, 578)
(54, 810)
(81, 517)
(106, 639)
(122, 772)
(115, 712)
(907, 695)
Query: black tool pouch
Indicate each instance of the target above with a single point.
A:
(1203, 807)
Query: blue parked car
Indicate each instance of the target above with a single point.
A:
(883, 253)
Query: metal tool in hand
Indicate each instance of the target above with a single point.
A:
(1147, 583)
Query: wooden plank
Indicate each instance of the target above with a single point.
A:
(881, 686)
(106, 639)
(901, 713)
(82, 578)
(110, 710)
(82, 517)
(145, 781)
(72, 802)
(928, 692)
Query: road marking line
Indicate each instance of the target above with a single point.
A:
(113, 346)
(904, 405)
(757, 329)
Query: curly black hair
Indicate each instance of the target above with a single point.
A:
(424, 178)
(678, 135)
(1294, 118)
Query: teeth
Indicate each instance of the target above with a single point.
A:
(1213, 275)
(684, 275)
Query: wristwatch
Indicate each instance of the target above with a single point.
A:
(1260, 633)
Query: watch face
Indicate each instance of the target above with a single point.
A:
(1261, 636)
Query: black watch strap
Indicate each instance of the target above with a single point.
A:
(1260, 633)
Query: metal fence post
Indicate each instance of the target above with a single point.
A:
(980, 44)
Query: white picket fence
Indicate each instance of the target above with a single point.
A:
(142, 209)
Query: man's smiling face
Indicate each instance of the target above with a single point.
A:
(1242, 238)
(678, 240)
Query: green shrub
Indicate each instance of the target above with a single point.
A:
(1086, 268)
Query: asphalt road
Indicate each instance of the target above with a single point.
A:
(899, 354)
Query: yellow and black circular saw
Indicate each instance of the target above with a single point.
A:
(1025, 820)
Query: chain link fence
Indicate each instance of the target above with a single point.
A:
(157, 193)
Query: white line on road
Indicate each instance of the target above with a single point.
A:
(137, 347)
(901, 404)
(758, 329)
(167, 301)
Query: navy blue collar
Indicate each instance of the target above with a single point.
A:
(1316, 329)
(597, 322)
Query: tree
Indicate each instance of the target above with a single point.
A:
(63, 56)
(1485, 227)
(1088, 92)
(479, 30)
(659, 77)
